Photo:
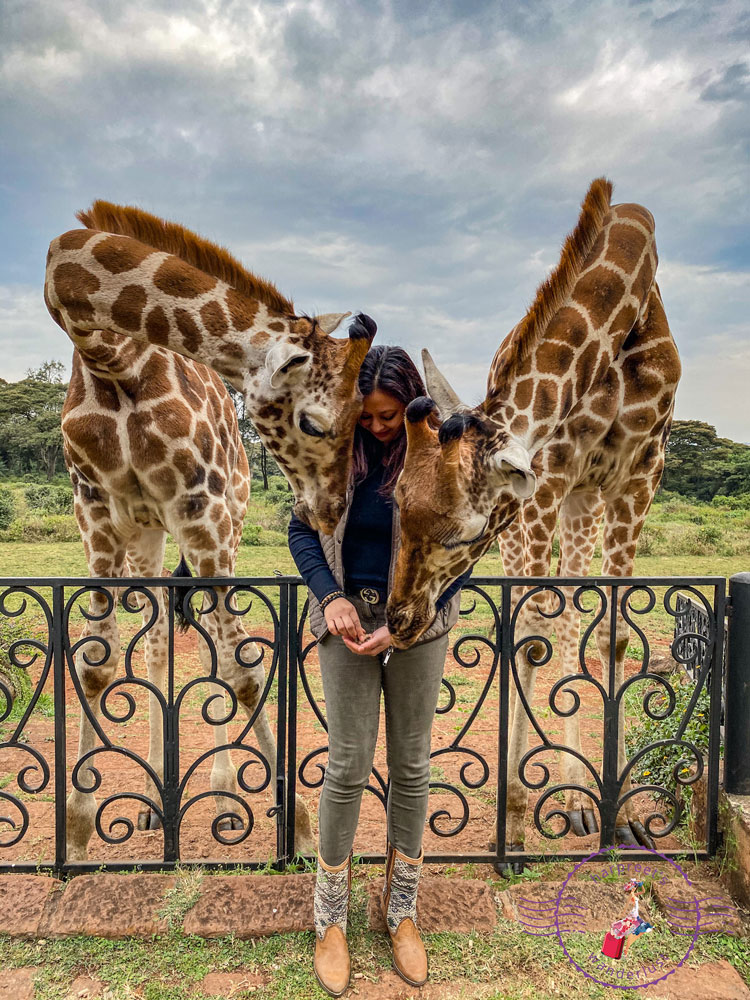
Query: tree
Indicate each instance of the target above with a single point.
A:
(698, 460)
(30, 412)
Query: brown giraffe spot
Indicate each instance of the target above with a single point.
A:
(194, 505)
(200, 537)
(641, 382)
(626, 244)
(97, 437)
(603, 404)
(583, 426)
(523, 393)
(75, 239)
(214, 319)
(559, 454)
(567, 326)
(640, 419)
(599, 291)
(146, 449)
(173, 418)
(102, 567)
(121, 253)
(181, 280)
(519, 425)
(192, 473)
(204, 439)
(225, 528)
(165, 481)
(242, 310)
(260, 338)
(101, 542)
(545, 399)
(584, 371)
(208, 567)
(224, 560)
(73, 285)
(230, 350)
(157, 326)
(644, 280)
(191, 335)
(216, 483)
(153, 380)
(105, 394)
(276, 326)
(127, 308)
(553, 358)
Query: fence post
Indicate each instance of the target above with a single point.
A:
(737, 715)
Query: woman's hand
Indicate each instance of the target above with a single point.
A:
(342, 619)
(373, 644)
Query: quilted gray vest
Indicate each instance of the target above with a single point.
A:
(332, 546)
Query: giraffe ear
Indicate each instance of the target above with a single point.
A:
(285, 363)
(513, 463)
(329, 321)
(439, 388)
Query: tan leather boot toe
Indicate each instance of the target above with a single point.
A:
(409, 956)
(331, 961)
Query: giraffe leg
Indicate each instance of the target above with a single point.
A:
(105, 554)
(580, 516)
(145, 557)
(247, 682)
(537, 527)
(624, 518)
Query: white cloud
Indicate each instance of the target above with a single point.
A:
(29, 335)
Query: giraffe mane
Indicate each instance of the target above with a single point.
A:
(555, 289)
(126, 220)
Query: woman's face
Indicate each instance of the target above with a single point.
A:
(382, 415)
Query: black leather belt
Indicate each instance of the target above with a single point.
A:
(371, 595)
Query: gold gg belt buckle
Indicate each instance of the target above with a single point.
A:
(369, 595)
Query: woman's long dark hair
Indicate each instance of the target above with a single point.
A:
(391, 370)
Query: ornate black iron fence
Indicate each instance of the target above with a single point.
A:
(602, 755)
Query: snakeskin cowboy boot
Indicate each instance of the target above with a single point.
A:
(331, 905)
(399, 902)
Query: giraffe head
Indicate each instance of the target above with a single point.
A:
(305, 403)
(460, 486)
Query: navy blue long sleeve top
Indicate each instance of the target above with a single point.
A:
(366, 550)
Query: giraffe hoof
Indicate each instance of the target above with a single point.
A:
(508, 868)
(148, 820)
(590, 821)
(230, 823)
(641, 835)
(624, 837)
(576, 822)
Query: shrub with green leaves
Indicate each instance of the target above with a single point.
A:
(657, 766)
(7, 507)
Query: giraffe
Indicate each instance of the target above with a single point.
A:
(572, 431)
(157, 315)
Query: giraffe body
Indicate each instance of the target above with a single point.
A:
(573, 429)
(152, 444)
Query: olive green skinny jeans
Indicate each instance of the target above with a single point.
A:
(351, 686)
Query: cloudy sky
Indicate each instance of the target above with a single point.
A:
(421, 161)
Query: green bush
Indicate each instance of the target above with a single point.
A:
(36, 528)
(14, 679)
(49, 499)
(656, 767)
(7, 507)
(251, 534)
(652, 535)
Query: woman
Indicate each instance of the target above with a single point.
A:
(348, 575)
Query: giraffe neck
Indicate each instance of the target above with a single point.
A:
(531, 394)
(97, 281)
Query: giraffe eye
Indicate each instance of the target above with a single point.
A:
(466, 541)
(308, 427)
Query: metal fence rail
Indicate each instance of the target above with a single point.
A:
(119, 642)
